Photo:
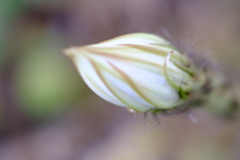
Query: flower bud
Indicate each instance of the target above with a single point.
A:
(139, 71)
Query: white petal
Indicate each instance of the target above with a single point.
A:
(127, 94)
(91, 78)
(152, 87)
(136, 38)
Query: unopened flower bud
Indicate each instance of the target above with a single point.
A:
(139, 71)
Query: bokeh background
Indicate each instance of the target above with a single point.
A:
(48, 113)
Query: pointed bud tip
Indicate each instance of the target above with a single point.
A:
(70, 52)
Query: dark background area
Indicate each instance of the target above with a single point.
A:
(48, 113)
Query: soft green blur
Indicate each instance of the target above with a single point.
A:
(45, 82)
(42, 80)
(48, 113)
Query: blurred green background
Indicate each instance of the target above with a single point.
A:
(48, 113)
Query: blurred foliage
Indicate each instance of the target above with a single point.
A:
(10, 9)
(45, 80)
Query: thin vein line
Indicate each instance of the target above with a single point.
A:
(108, 86)
(134, 86)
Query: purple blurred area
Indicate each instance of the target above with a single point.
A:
(48, 113)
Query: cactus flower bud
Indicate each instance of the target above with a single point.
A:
(138, 71)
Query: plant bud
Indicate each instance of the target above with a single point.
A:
(139, 71)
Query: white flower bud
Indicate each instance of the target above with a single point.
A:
(139, 71)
